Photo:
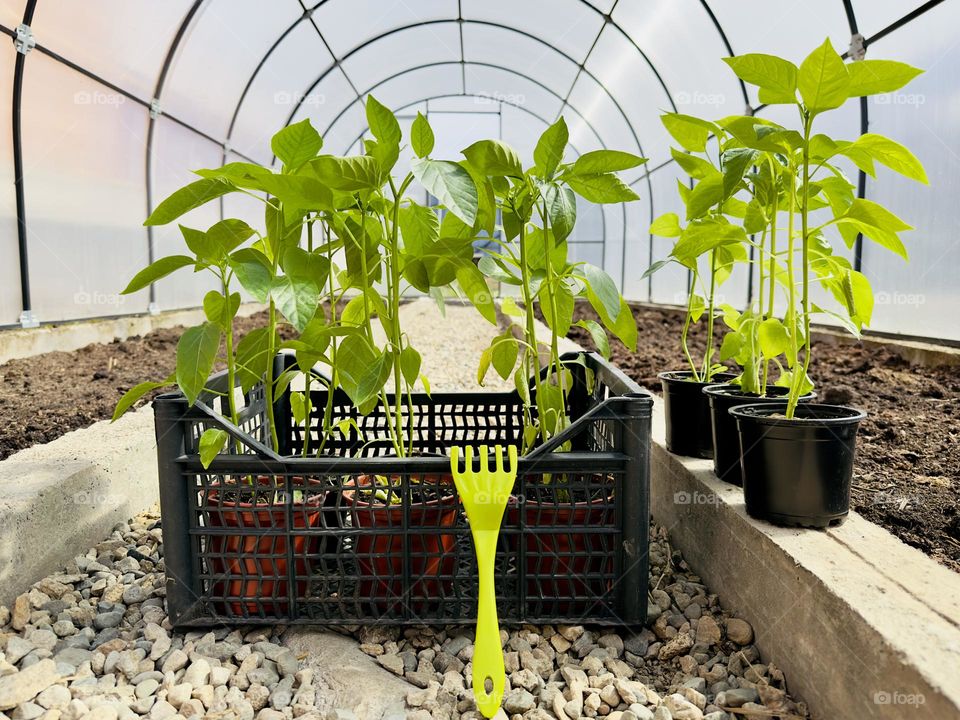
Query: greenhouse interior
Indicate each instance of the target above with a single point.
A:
(442, 359)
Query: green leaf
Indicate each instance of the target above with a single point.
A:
(823, 80)
(691, 132)
(385, 128)
(156, 270)
(419, 226)
(705, 197)
(503, 352)
(347, 174)
(548, 153)
(297, 298)
(451, 185)
(212, 441)
(876, 223)
(196, 354)
(254, 272)
(474, 286)
(295, 144)
(493, 157)
(562, 297)
(605, 161)
(410, 364)
(421, 136)
(703, 236)
(776, 77)
(218, 310)
(603, 288)
(561, 210)
(598, 335)
(773, 337)
(624, 326)
(135, 393)
(890, 153)
(187, 198)
(667, 225)
(731, 346)
(654, 268)
(227, 235)
(736, 162)
(299, 191)
(870, 77)
(694, 166)
(601, 188)
(253, 355)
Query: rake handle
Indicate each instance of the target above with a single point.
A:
(487, 654)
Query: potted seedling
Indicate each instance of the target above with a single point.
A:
(708, 245)
(538, 207)
(756, 338)
(798, 458)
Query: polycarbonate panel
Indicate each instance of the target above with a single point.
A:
(623, 74)
(920, 297)
(506, 48)
(598, 114)
(323, 103)
(123, 42)
(521, 129)
(790, 30)
(669, 284)
(9, 249)
(177, 153)
(11, 12)
(348, 23)
(455, 131)
(636, 259)
(277, 88)
(592, 253)
(875, 15)
(418, 84)
(225, 44)
(492, 85)
(85, 200)
(403, 50)
(683, 45)
(569, 25)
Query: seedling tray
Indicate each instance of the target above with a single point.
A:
(572, 548)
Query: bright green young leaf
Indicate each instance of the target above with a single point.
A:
(598, 335)
(667, 225)
(736, 162)
(493, 157)
(561, 210)
(701, 237)
(410, 362)
(135, 393)
(731, 346)
(694, 166)
(625, 326)
(187, 198)
(776, 77)
(254, 272)
(421, 136)
(156, 270)
(705, 197)
(601, 188)
(196, 354)
(773, 337)
(253, 355)
(383, 124)
(603, 288)
(508, 306)
(549, 151)
(605, 161)
(451, 185)
(691, 132)
(562, 299)
(218, 310)
(297, 143)
(696, 307)
(419, 226)
(212, 441)
(870, 77)
(297, 298)
(229, 234)
(474, 286)
(890, 153)
(503, 354)
(347, 174)
(823, 80)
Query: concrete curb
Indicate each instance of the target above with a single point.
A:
(862, 625)
(59, 499)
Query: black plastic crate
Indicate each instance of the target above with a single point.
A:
(313, 550)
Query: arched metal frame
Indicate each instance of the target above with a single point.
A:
(154, 104)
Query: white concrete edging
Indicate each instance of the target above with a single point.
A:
(863, 626)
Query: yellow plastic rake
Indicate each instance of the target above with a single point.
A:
(485, 494)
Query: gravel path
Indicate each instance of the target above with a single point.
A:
(94, 641)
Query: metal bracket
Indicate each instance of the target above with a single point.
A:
(858, 47)
(155, 110)
(29, 320)
(24, 41)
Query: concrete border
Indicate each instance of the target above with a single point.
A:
(64, 337)
(59, 499)
(863, 626)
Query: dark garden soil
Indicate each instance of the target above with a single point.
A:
(907, 475)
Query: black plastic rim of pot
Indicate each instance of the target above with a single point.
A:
(687, 412)
(726, 439)
(797, 471)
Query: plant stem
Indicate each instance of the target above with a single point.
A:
(791, 289)
(532, 351)
(686, 330)
(549, 279)
(711, 308)
(231, 360)
(307, 404)
(328, 409)
(268, 382)
(805, 268)
(773, 266)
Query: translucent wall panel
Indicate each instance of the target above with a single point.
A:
(121, 41)
(874, 15)
(9, 272)
(596, 107)
(274, 92)
(535, 58)
(346, 23)
(612, 238)
(636, 257)
(570, 25)
(921, 297)
(225, 44)
(669, 284)
(790, 30)
(11, 12)
(521, 130)
(404, 49)
(417, 84)
(323, 103)
(177, 153)
(495, 85)
(454, 131)
(681, 41)
(85, 200)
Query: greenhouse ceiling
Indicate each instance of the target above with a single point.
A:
(114, 102)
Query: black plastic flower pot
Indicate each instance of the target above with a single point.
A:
(687, 412)
(726, 441)
(797, 472)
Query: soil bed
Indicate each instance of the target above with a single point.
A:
(907, 475)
